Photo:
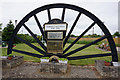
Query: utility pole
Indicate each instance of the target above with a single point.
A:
(93, 31)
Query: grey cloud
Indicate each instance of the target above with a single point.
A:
(105, 11)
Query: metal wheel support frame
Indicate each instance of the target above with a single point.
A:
(64, 6)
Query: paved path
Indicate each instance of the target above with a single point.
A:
(31, 70)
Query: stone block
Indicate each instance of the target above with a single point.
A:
(13, 62)
(53, 67)
(107, 71)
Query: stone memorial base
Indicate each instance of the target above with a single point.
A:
(13, 62)
(53, 67)
(107, 71)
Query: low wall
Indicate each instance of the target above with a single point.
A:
(53, 67)
(107, 71)
(13, 62)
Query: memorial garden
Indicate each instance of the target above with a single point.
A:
(57, 51)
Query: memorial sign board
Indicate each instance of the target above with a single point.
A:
(55, 31)
(54, 27)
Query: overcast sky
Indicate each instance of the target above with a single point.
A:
(106, 11)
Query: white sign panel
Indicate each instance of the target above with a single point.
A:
(55, 26)
(55, 35)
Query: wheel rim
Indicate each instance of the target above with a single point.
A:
(64, 6)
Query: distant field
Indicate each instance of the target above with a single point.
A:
(88, 51)
(116, 40)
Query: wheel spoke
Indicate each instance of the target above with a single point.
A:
(85, 46)
(63, 14)
(34, 47)
(41, 44)
(71, 29)
(79, 37)
(89, 56)
(27, 53)
(49, 16)
(39, 25)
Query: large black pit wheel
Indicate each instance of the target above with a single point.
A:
(65, 55)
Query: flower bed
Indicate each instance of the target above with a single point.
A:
(63, 60)
(60, 60)
(104, 46)
(44, 59)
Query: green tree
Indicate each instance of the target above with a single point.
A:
(25, 37)
(72, 35)
(7, 31)
(0, 30)
(116, 34)
(0, 26)
(91, 36)
(0, 33)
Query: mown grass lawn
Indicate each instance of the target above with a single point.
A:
(24, 47)
(88, 51)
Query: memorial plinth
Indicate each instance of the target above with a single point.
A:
(107, 71)
(53, 67)
(13, 62)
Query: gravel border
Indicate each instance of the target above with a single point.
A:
(31, 70)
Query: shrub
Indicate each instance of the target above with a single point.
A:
(10, 55)
(118, 45)
(62, 59)
(25, 37)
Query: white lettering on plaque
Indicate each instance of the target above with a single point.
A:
(55, 26)
(55, 35)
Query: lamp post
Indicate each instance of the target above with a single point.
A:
(15, 23)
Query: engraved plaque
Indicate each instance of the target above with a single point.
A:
(55, 35)
(55, 47)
